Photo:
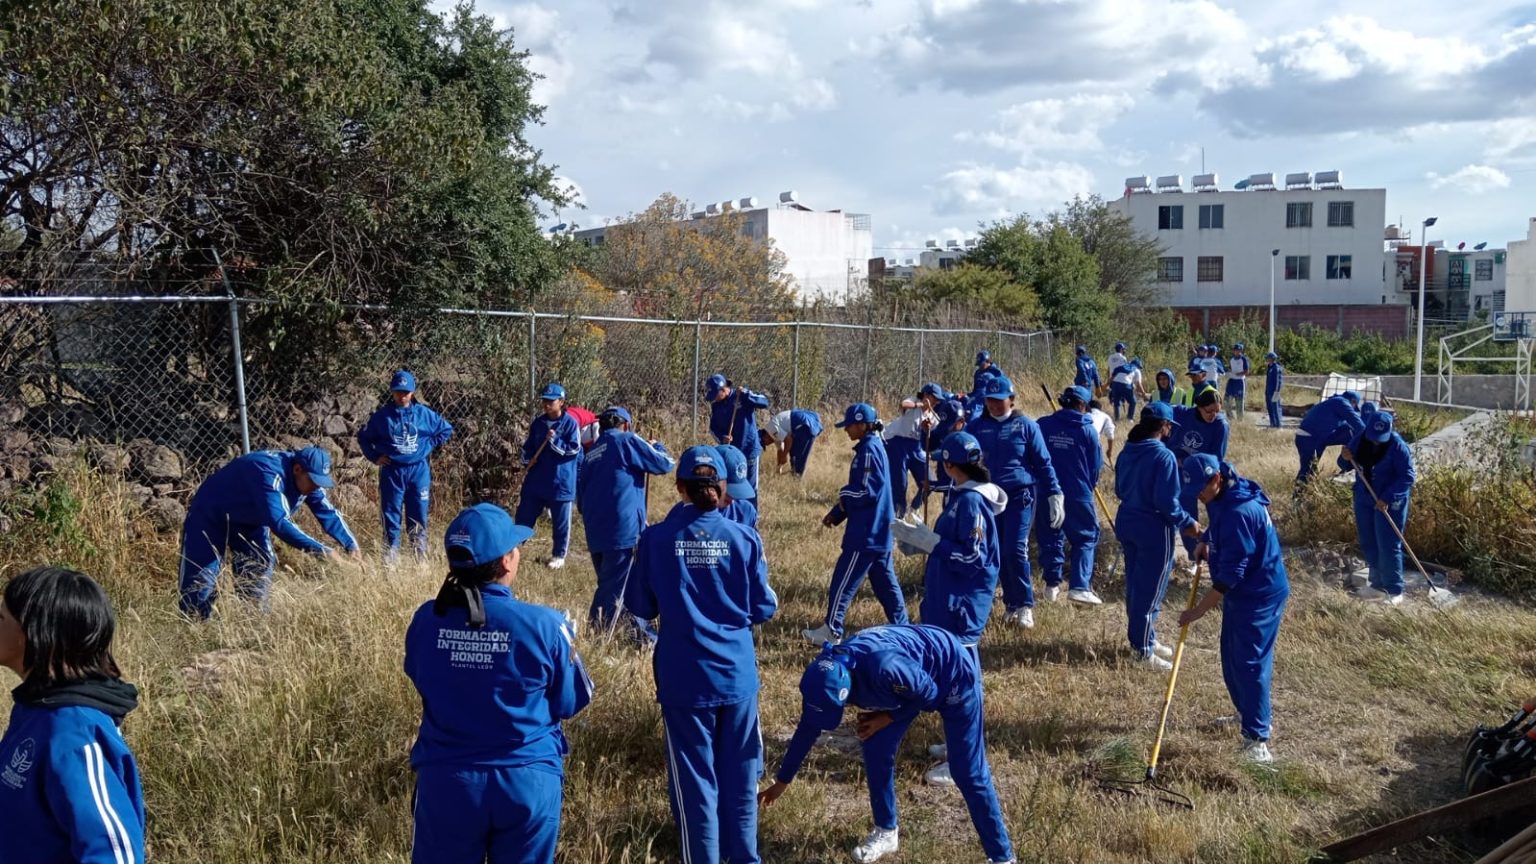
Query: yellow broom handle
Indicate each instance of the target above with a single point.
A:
(1173, 677)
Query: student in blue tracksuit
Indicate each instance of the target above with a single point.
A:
(740, 504)
(399, 438)
(905, 445)
(1274, 379)
(1331, 422)
(69, 785)
(236, 511)
(611, 493)
(733, 419)
(950, 417)
(1386, 461)
(551, 460)
(865, 503)
(1087, 371)
(1237, 384)
(1077, 458)
(896, 673)
(794, 432)
(1147, 484)
(960, 577)
(1212, 365)
(1124, 385)
(1200, 429)
(1248, 579)
(706, 578)
(1013, 450)
(986, 370)
(496, 676)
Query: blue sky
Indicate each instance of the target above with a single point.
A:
(934, 115)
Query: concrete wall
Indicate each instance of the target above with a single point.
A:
(1473, 391)
(1392, 321)
(826, 252)
(1520, 275)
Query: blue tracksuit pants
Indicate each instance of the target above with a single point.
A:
(1236, 396)
(1081, 529)
(1013, 538)
(1248, 629)
(903, 455)
(530, 507)
(613, 569)
(205, 539)
(466, 815)
(966, 740)
(1379, 544)
(800, 444)
(848, 574)
(714, 760)
(1122, 394)
(407, 488)
(1148, 546)
(1272, 405)
(1309, 449)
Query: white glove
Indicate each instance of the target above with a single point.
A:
(919, 537)
(1056, 505)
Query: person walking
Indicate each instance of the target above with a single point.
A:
(236, 511)
(1211, 363)
(1118, 357)
(904, 444)
(611, 493)
(733, 420)
(1237, 383)
(1014, 451)
(865, 504)
(1148, 485)
(1086, 372)
(1331, 422)
(1124, 386)
(69, 784)
(985, 369)
(551, 460)
(1274, 379)
(1077, 459)
(399, 438)
(794, 433)
(950, 418)
(1383, 459)
(706, 579)
(1103, 426)
(896, 673)
(1249, 582)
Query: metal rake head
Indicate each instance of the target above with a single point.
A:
(1149, 788)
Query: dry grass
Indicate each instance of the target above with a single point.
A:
(284, 738)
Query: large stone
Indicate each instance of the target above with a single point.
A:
(109, 458)
(293, 442)
(349, 497)
(166, 514)
(11, 413)
(337, 425)
(19, 468)
(59, 446)
(350, 446)
(156, 462)
(137, 493)
(15, 441)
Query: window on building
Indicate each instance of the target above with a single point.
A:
(1341, 214)
(747, 228)
(1209, 269)
(1170, 269)
(1213, 215)
(1298, 268)
(1341, 267)
(1484, 270)
(1170, 217)
(1298, 214)
(947, 263)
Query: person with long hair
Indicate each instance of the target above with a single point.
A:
(706, 579)
(69, 785)
(1077, 459)
(399, 437)
(551, 458)
(496, 676)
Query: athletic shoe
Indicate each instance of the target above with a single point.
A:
(877, 845)
(1162, 650)
(938, 751)
(1087, 598)
(1003, 861)
(1393, 600)
(556, 563)
(939, 775)
(1154, 662)
(1257, 752)
(1370, 595)
(1023, 616)
(818, 635)
(1053, 593)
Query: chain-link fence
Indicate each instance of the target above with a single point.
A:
(164, 389)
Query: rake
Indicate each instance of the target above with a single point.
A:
(1150, 786)
(1441, 597)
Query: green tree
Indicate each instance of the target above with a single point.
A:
(1127, 259)
(1045, 256)
(987, 288)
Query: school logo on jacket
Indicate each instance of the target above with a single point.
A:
(1192, 441)
(15, 773)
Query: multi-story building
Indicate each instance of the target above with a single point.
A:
(1474, 282)
(826, 252)
(1520, 272)
(1322, 242)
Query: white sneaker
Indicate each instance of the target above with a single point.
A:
(1085, 597)
(819, 635)
(1155, 663)
(877, 845)
(1371, 595)
(938, 751)
(939, 775)
(1022, 616)
(1393, 600)
(556, 563)
(1162, 650)
(1053, 593)
(1257, 752)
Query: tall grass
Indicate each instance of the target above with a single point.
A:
(284, 737)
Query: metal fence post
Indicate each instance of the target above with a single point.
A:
(239, 358)
(794, 386)
(921, 358)
(698, 339)
(869, 337)
(533, 346)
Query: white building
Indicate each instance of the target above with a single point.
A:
(1520, 272)
(1474, 281)
(1218, 244)
(826, 252)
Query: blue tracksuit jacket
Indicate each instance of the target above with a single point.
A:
(804, 427)
(611, 488)
(980, 378)
(69, 789)
(744, 404)
(1274, 379)
(1194, 435)
(1147, 483)
(740, 512)
(257, 490)
(866, 498)
(1076, 457)
(406, 435)
(1331, 422)
(553, 477)
(1389, 468)
(1014, 452)
(1087, 373)
(960, 577)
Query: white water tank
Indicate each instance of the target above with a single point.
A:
(789, 197)
(1170, 183)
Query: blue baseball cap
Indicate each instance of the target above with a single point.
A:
(714, 385)
(1367, 408)
(620, 412)
(960, 448)
(949, 411)
(1074, 394)
(1119, 346)
(317, 464)
(824, 691)
(552, 390)
(932, 389)
(859, 412)
(983, 357)
(1239, 347)
(1198, 470)
(1195, 368)
(1351, 397)
(1081, 349)
(1160, 410)
(997, 387)
(1271, 356)
(735, 464)
(402, 382)
(1380, 427)
(698, 457)
(481, 534)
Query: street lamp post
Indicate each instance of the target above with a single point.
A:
(1418, 352)
(1273, 255)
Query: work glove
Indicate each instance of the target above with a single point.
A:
(1056, 506)
(913, 539)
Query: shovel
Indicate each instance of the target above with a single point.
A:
(1441, 598)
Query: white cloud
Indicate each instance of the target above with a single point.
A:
(1474, 179)
(995, 192)
(538, 31)
(1054, 125)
